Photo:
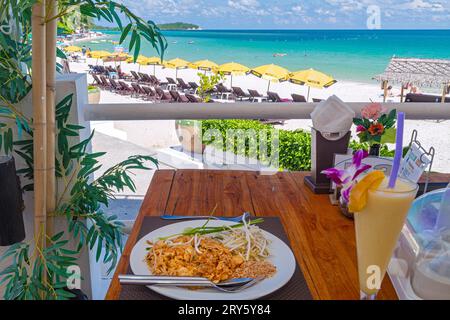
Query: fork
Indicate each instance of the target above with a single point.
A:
(232, 219)
(230, 286)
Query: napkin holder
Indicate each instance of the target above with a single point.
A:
(322, 157)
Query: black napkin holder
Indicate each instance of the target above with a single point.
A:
(322, 157)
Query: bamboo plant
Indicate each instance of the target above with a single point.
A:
(38, 270)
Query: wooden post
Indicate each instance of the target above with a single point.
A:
(39, 121)
(51, 33)
(402, 93)
(385, 90)
(444, 92)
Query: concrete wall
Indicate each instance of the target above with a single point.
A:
(66, 84)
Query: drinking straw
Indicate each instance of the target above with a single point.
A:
(398, 149)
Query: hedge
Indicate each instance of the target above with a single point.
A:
(294, 148)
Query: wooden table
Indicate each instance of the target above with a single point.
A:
(322, 239)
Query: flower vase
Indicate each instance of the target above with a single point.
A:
(375, 150)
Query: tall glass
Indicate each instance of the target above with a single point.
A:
(378, 228)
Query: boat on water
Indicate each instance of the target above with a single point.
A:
(279, 54)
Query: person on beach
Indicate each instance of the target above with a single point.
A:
(83, 50)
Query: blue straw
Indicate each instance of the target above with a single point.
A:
(398, 149)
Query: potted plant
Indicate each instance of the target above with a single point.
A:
(345, 179)
(189, 132)
(375, 127)
(93, 94)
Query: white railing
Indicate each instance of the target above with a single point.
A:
(242, 110)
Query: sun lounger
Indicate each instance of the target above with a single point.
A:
(177, 97)
(194, 86)
(274, 97)
(97, 81)
(256, 96)
(298, 97)
(105, 83)
(240, 94)
(149, 93)
(126, 88)
(170, 80)
(138, 91)
(193, 98)
(183, 85)
(136, 77)
(162, 95)
(317, 100)
(222, 89)
(115, 87)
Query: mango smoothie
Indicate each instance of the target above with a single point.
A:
(378, 225)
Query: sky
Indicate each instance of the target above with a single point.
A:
(290, 14)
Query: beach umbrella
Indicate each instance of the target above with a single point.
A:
(72, 49)
(312, 78)
(271, 72)
(176, 64)
(154, 61)
(204, 65)
(99, 54)
(233, 69)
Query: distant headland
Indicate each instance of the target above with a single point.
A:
(162, 26)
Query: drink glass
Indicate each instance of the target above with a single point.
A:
(378, 228)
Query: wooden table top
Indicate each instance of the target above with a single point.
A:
(322, 239)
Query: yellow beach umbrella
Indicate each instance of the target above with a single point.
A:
(72, 49)
(154, 61)
(205, 65)
(233, 69)
(176, 64)
(99, 54)
(312, 78)
(141, 59)
(271, 72)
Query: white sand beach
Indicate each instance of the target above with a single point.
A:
(161, 134)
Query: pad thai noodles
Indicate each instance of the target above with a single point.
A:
(216, 253)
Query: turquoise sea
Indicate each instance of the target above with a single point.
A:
(355, 55)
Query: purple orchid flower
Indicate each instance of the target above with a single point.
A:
(346, 178)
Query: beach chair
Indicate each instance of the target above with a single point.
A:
(240, 94)
(177, 97)
(144, 78)
(97, 81)
(222, 89)
(156, 81)
(138, 91)
(193, 98)
(170, 81)
(256, 96)
(194, 86)
(136, 77)
(298, 97)
(149, 93)
(274, 97)
(162, 95)
(183, 85)
(115, 87)
(126, 89)
(105, 83)
(317, 100)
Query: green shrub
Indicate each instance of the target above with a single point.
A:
(294, 148)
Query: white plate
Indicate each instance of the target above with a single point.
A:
(281, 257)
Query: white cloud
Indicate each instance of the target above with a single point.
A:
(419, 4)
(297, 9)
